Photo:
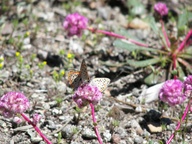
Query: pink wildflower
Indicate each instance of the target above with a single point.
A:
(86, 94)
(13, 103)
(17, 120)
(75, 24)
(172, 92)
(188, 86)
(36, 118)
(161, 9)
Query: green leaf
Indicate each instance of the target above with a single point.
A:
(183, 19)
(136, 7)
(153, 25)
(186, 64)
(151, 79)
(143, 63)
(131, 47)
(138, 10)
(187, 53)
(125, 33)
(180, 72)
(190, 16)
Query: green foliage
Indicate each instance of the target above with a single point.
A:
(59, 101)
(57, 76)
(4, 6)
(61, 52)
(59, 138)
(161, 142)
(183, 20)
(143, 63)
(152, 23)
(19, 59)
(75, 130)
(1, 62)
(153, 77)
(15, 23)
(77, 109)
(130, 47)
(33, 56)
(70, 4)
(42, 64)
(135, 7)
(164, 127)
(161, 59)
(25, 71)
(115, 123)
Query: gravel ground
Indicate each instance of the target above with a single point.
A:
(34, 28)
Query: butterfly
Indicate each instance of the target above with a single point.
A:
(76, 78)
(100, 83)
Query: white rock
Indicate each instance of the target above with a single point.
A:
(150, 94)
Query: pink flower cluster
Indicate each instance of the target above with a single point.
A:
(172, 92)
(188, 86)
(161, 9)
(13, 103)
(75, 24)
(36, 118)
(175, 91)
(86, 94)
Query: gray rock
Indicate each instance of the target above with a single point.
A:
(121, 131)
(34, 137)
(116, 139)
(4, 75)
(46, 106)
(51, 125)
(104, 12)
(7, 29)
(146, 133)
(56, 111)
(138, 140)
(73, 142)
(2, 124)
(124, 142)
(52, 103)
(61, 87)
(75, 47)
(107, 135)
(88, 133)
(68, 131)
(135, 125)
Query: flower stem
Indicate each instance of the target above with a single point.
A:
(179, 123)
(184, 42)
(174, 57)
(95, 123)
(112, 34)
(165, 34)
(180, 48)
(36, 128)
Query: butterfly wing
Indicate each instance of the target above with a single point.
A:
(100, 83)
(74, 79)
(84, 72)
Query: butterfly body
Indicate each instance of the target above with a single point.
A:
(76, 78)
